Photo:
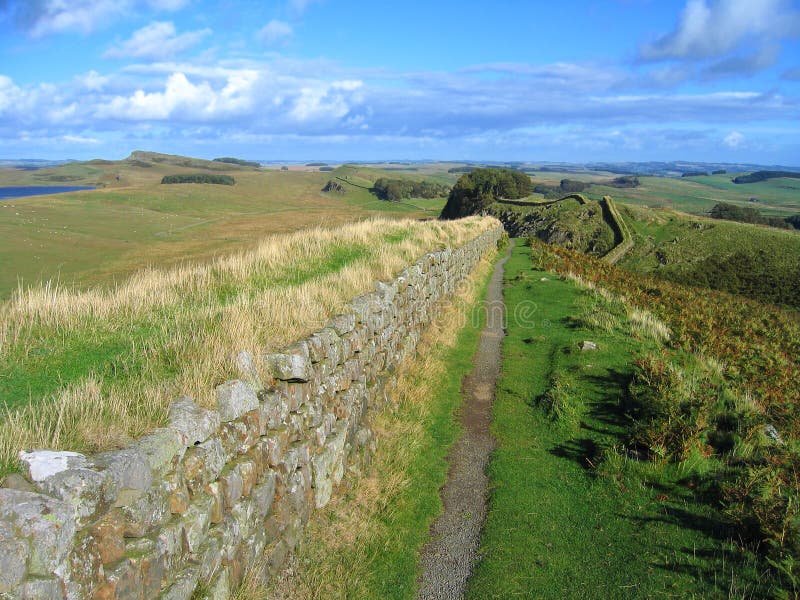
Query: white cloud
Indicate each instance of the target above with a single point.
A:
(733, 140)
(44, 17)
(158, 40)
(707, 31)
(326, 101)
(78, 139)
(184, 100)
(275, 32)
(93, 81)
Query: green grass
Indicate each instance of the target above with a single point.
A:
(569, 516)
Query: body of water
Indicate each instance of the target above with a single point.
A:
(8, 193)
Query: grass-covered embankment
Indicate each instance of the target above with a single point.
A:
(570, 515)
(87, 370)
(366, 542)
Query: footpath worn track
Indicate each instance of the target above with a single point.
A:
(449, 557)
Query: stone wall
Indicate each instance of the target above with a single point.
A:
(185, 510)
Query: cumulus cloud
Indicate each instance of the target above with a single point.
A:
(184, 100)
(734, 140)
(275, 32)
(326, 101)
(158, 40)
(712, 30)
(44, 17)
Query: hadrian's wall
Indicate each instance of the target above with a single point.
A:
(185, 510)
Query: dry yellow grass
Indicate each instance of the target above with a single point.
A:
(336, 558)
(180, 328)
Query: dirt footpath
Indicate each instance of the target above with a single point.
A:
(449, 557)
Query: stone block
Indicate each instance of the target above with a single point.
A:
(203, 464)
(46, 525)
(89, 492)
(38, 465)
(14, 552)
(194, 424)
(235, 398)
(294, 364)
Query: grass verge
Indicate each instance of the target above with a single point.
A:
(366, 542)
(572, 515)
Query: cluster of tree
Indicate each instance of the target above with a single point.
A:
(238, 161)
(748, 214)
(751, 275)
(719, 172)
(475, 191)
(402, 189)
(316, 164)
(566, 187)
(461, 170)
(757, 176)
(327, 169)
(199, 178)
(695, 174)
(333, 186)
(626, 181)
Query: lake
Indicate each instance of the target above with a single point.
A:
(8, 193)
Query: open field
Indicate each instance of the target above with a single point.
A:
(105, 235)
(86, 370)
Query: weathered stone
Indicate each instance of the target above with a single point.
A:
(219, 589)
(88, 492)
(194, 424)
(38, 465)
(234, 398)
(14, 552)
(15, 481)
(129, 470)
(46, 524)
(184, 585)
(264, 494)
(123, 581)
(231, 486)
(162, 449)
(108, 534)
(202, 464)
(197, 520)
(42, 589)
(169, 544)
(328, 467)
(294, 364)
(343, 323)
(239, 435)
(85, 565)
(246, 365)
(273, 411)
(586, 345)
(149, 511)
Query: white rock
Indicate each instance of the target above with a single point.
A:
(41, 464)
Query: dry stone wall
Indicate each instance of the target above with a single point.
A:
(184, 511)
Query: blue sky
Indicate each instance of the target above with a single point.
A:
(574, 80)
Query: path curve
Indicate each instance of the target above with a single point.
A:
(449, 557)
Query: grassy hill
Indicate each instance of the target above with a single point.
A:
(101, 236)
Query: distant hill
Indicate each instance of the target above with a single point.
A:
(141, 157)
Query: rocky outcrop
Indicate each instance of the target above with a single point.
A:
(185, 510)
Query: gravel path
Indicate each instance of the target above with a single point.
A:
(448, 558)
